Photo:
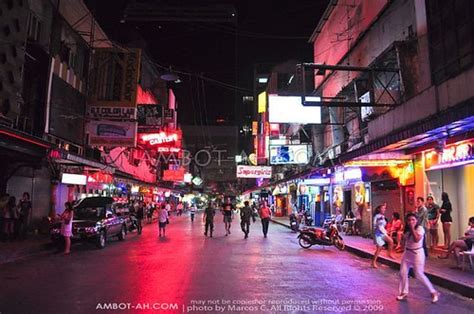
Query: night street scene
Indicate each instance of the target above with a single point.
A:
(236, 156)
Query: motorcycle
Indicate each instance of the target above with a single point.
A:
(310, 236)
(294, 225)
(308, 219)
(133, 223)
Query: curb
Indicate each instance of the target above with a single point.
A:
(435, 279)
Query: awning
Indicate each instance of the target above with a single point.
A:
(450, 123)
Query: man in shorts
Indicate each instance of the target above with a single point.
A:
(227, 211)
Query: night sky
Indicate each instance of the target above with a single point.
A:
(265, 32)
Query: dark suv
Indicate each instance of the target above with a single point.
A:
(94, 219)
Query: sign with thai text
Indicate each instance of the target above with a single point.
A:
(452, 155)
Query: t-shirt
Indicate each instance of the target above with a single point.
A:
(227, 211)
(163, 215)
(246, 213)
(432, 211)
(209, 213)
(410, 241)
(422, 215)
(379, 225)
(168, 207)
(25, 207)
(265, 212)
(469, 233)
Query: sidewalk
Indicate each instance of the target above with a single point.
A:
(34, 245)
(440, 272)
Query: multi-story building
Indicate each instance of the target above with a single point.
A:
(61, 138)
(412, 63)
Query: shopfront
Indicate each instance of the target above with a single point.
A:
(450, 169)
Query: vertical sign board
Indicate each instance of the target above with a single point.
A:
(112, 105)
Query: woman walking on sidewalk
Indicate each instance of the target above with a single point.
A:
(163, 220)
(381, 234)
(414, 258)
(66, 226)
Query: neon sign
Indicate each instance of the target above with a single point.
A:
(453, 155)
(159, 138)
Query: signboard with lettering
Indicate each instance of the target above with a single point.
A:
(160, 138)
(112, 133)
(458, 154)
(149, 116)
(254, 171)
(111, 113)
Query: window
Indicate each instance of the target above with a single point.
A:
(451, 37)
(34, 27)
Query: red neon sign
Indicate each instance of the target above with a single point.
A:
(160, 138)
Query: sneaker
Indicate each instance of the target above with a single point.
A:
(402, 297)
(435, 297)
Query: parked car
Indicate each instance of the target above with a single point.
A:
(95, 219)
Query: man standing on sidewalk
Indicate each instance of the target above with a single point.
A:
(422, 217)
(265, 215)
(245, 216)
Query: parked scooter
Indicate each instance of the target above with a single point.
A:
(308, 219)
(294, 225)
(310, 236)
(133, 222)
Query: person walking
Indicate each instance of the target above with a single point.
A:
(192, 211)
(381, 236)
(24, 208)
(208, 218)
(413, 258)
(163, 220)
(140, 212)
(179, 209)
(227, 211)
(433, 217)
(422, 217)
(265, 215)
(446, 219)
(245, 216)
(66, 226)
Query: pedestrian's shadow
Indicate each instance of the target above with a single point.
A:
(163, 239)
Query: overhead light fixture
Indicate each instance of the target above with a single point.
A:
(263, 80)
(169, 76)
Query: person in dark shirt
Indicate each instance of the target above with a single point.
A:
(227, 211)
(140, 212)
(208, 218)
(446, 219)
(433, 217)
(245, 216)
(24, 212)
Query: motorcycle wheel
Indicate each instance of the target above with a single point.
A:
(304, 243)
(339, 243)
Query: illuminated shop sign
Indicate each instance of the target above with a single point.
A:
(70, 178)
(349, 174)
(254, 172)
(317, 181)
(458, 154)
(162, 139)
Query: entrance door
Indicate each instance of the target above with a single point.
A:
(347, 202)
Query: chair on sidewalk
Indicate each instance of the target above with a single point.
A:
(469, 255)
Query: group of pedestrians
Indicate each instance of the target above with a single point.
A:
(247, 216)
(413, 234)
(14, 217)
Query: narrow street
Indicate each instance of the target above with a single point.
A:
(148, 274)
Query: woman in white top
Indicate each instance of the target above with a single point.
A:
(66, 226)
(163, 220)
(414, 257)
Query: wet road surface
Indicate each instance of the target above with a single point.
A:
(187, 272)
